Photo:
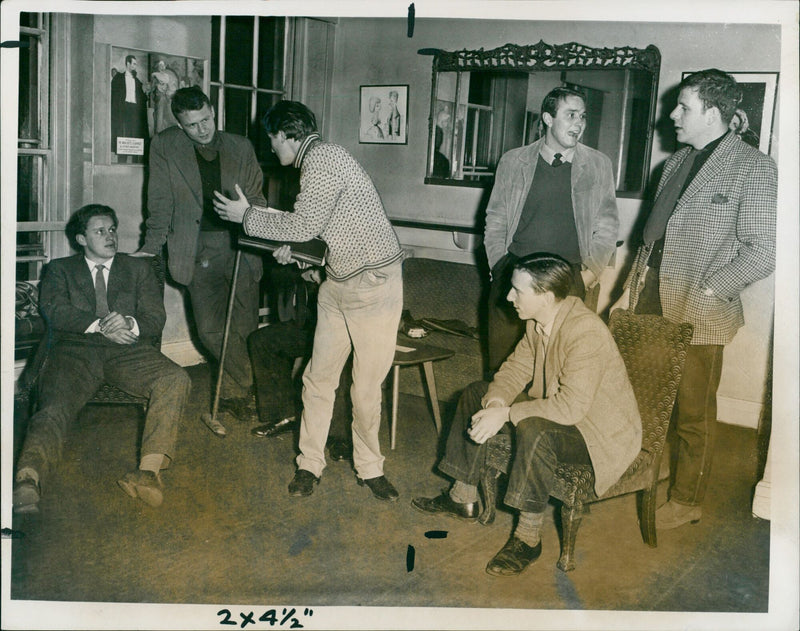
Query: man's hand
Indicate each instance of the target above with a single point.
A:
(283, 255)
(589, 278)
(140, 254)
(231, 209)
(486, 423)
(117, 328)
(313, 275)
(624, 301)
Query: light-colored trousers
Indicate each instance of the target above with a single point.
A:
(361, 313)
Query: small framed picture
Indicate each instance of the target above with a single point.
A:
(383, 114)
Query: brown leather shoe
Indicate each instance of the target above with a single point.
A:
(672, 515)
(145, 485)
(513, 558)
(26, 496)
(381, 488)
(444, 504)
(303, 483)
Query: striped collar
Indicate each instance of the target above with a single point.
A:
(301, 151)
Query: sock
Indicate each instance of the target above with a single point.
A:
(151, 462)
(27, 473)
(528, 528)
(464, 493)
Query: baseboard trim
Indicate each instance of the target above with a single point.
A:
(739, 412)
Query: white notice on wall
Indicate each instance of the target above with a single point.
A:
(130, 146)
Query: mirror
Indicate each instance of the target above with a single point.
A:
(484, 103)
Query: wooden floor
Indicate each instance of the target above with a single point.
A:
(230, 537)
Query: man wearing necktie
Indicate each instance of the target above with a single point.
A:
(105, 311)
(710, 234)
(554, 195)
(565, 396)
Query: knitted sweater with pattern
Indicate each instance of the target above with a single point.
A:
(337, 202)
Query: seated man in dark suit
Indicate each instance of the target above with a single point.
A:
(105, 311)
(275, 348)
(565, 396)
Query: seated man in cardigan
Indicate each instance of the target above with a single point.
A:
(578, 407)
(105, 310)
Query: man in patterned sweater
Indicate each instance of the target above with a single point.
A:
(359, 303)
(710, 234)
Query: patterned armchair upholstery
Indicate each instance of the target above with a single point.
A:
(654, 351)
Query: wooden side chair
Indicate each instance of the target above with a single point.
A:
(654, 351)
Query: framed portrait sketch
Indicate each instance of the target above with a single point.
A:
(137, 96)
(383, 114)
(759, 92)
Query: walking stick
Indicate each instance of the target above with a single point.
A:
(211, 419)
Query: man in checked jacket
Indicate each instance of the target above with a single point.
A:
(358, 304)
(710, 234)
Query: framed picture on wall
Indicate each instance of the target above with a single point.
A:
(759, 92)
(383, 114)
(137, 92)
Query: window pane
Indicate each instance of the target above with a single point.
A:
(215, 25)
(270, 53)
(29, 19)
(29, 88)
(29, 187)
(239, 50)
(237, 111)
(259, 136)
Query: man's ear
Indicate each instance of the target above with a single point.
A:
(81, 240)
(547, 119)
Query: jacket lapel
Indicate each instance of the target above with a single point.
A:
(118, 277)
(83, 278)
(185, 161)
(713, 165)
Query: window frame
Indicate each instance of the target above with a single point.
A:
(40, 149)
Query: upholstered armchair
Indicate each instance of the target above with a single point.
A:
(654, 351)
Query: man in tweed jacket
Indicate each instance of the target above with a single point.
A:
(563, 394)
(359, 303)
(188, 163)
(711, 233)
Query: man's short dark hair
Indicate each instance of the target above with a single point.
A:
(715, 88)
(548, 272)
(188, 99)
(80, 219)
(293, 118)
(129, 59)
(556, 96)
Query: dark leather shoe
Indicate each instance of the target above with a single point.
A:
(444, 504)
(303, 483)
(26, 496)
(340, 449)
(513, 558)
(145, 485)
(381, 488)
(275, 429)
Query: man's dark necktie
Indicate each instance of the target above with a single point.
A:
(656, 225)
(557, 161)
(100, 296)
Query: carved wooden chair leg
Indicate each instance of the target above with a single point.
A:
(648, 519)
(570, 522)
(489, 478)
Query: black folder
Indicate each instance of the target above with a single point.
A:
(313, 252)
